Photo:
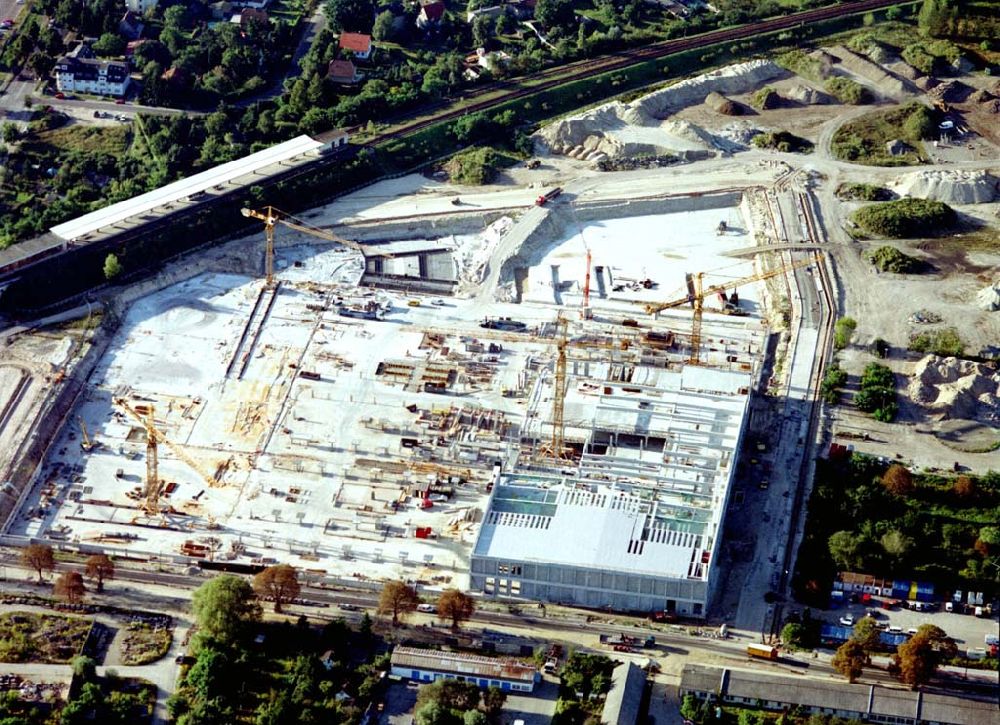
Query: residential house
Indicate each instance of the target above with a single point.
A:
(140, 6)
(130, 26)
(431, 14)
(89, 75)
(359, 44)
(250, 16)
(221, 10)
(254, 4)
(426, 665)
(342, 71)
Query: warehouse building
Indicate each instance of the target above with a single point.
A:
(636, 525)
(426, 665)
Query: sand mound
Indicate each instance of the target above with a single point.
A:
(988, 298)
(617, 129)
(951, 187)
(954, 388)
(808, 96)
(720, 104)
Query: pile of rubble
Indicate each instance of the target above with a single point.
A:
(988, 298)
(951, 187)
(952, 388)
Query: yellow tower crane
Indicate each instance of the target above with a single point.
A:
(154, 437)
(556, 446)
(697, 298)
(272, 217)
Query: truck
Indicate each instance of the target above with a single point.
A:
(624, 640)
(762, 651)
(548, 196)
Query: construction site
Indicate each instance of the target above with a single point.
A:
(553, 388)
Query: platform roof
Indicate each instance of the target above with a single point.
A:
(239, 172)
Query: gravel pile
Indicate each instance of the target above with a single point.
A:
(951, 187)
(988, 298)
(619, 129)
(808, 96)
(720, 104)
(954, 388)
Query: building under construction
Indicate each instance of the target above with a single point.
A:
(576, 448)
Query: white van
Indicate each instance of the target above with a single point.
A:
(895, 630)
(949, 607)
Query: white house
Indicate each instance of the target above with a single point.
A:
(140, 6)
(89, 75)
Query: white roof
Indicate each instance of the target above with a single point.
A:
(180, 190)
(613, 521)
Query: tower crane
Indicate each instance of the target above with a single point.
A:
(272, 217)
(154, 437)
(697, 298)
(86, 443)
(556, 446)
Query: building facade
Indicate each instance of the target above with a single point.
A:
(425, 665)
(89, 75)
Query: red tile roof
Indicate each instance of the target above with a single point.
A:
(433, 10)
(341, 70)
(355, 42)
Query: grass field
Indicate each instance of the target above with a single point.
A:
(863, 140)
(45, 638)
(113, 140)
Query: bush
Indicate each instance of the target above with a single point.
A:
(890, 259)
(877, 393)
(833, 381)
(475, 166)
(782, 141)
(906, 218)
(842, 332)
(847, 91)
(946, 343)
(863, 192)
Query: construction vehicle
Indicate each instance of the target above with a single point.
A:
(623, 639)
(548, 196)
(272, 217)
(85, 441)
(697, 293)
(154, 437)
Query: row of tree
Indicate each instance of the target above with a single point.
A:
(69, 586)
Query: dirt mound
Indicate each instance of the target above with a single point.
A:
(951, 91)
(720, 104)
(981, 96)
(953, 388)
(988, 298)
(951, 187)
(617, 129)
(887, 83)
(767, 99)
(808, 96)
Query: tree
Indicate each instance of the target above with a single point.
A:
(69, 586)
(456, 606)
(850, 660)
(483, 30)
(474, 717)
(554, 13)
(450, 694)
(385, 26)
(100, 567)
(965, 488)
(280, 583)
(224, 607)
(506, 22)
(41, 63)
(794, 635)
(866, 633)
(918, 658)
(398, 599)
(896, 543)
(493, 700)
(112, 267)
(109, 44)
(38, 557)
(11, 133)
(353, 15)
(898, 480)
(844, 547)
(85, 668)
(433, 713)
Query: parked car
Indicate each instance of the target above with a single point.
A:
(60, 95)
(847, 620)
(426, 608)
(348, 607)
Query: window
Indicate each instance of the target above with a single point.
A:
(515, 569)
(503, 569)
(415, 674)
(503, 586)
(491, 585)
(515, 587)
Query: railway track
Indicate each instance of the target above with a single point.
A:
(624, 59)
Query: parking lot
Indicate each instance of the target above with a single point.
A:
(967, 630)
